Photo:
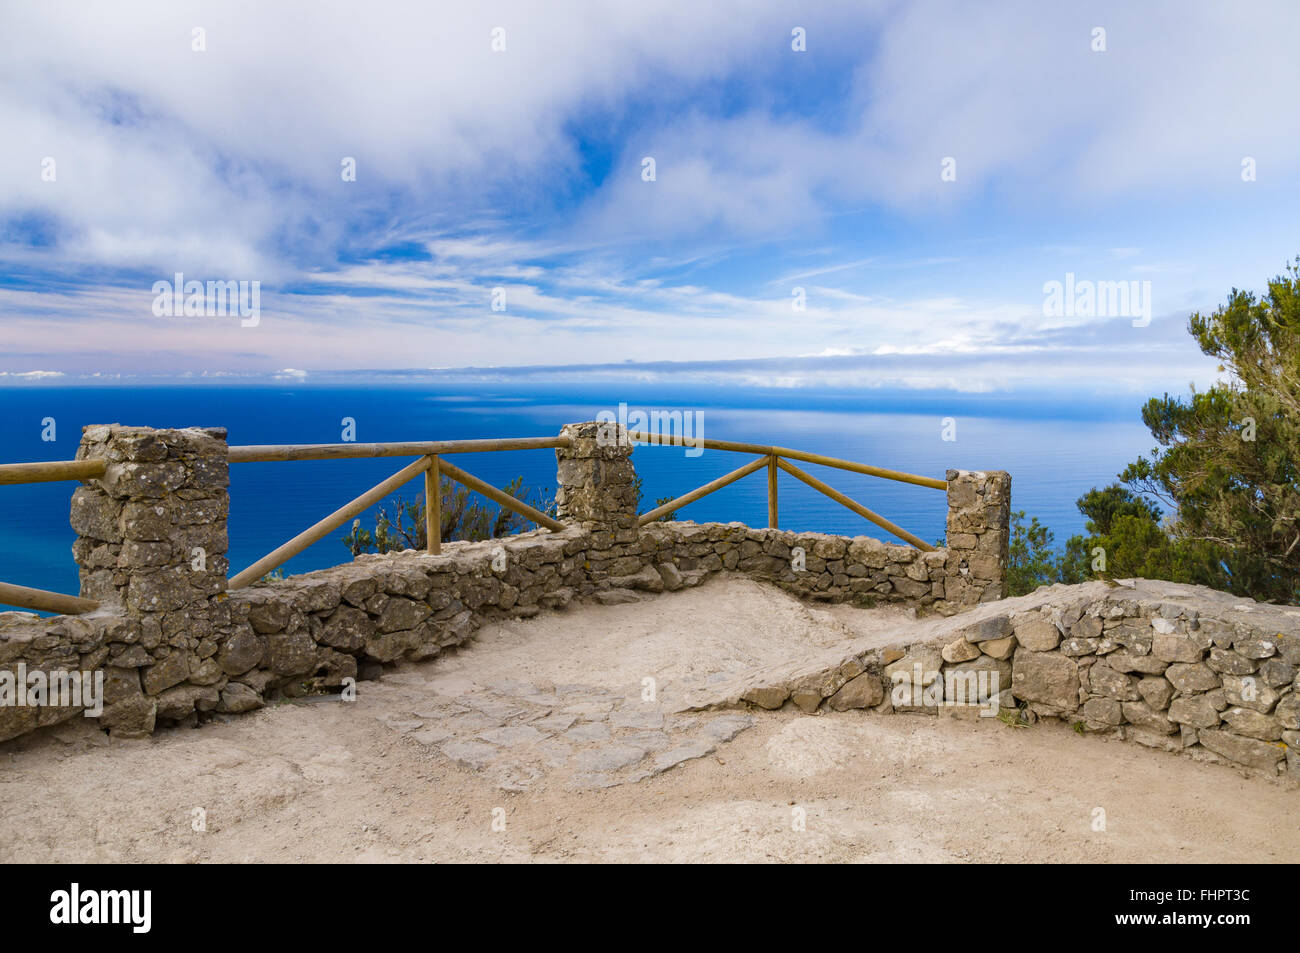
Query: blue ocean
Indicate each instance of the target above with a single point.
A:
(1054, 452)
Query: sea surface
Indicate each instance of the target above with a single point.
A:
(1054, 453)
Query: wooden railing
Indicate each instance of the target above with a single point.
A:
(431, 466)
(778, 458)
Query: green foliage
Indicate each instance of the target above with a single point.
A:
(667, 517)
(1228, 459)
(1031, 559)
(1227, 465)
(400, 524)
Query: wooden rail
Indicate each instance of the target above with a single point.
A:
(44, 601)
(856, 507)
(774, 458)
(50, 471)
(344, 451)
(766, 451)
(673, 505)
(499, 496)
(326, 526)
(432, 465)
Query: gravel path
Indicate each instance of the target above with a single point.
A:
(540, 741)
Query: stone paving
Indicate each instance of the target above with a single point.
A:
(586, 736)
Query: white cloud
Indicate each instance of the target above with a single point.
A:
(226, 164)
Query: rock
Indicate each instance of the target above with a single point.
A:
(1045, 677)
(725, 727)
(323, 596)
(646, 580)
(258, 680)
(921, 661)
(616, 597)
(1037, 634)
(510, 736)
(176, 703)
(1156, 692)
(685, 752)
(1086, 628)
(237, 697)
(1247, 691)
(864, 691)
(269, 613)
(998, 627)
(649, 720)
(1288, 712)
(130, 718)
(553, 724)
(401, 614)
(1277, 673)
(767, 696)
(1141, 714)
(974, 683)
(1126, 661)
(206, 672)
(1194, 710)
(999, 648)
(333, 668)
(291, 653)
(807, 700)
(166, 672)
(1079, 647)
(588, 731)
(1232, 663)
(1175, 648)
(241, 652)
(1154, 739)
(1102, 711)
(610, 757)
(963, 651)
(346, 629)
(133, 657)
(672, 577)
(1104, 680)
(1248, 751)
(120, 683)
(358, 591)
(1255, 648)
(1192, 677)
(471, 754)
(1253, 724)
(1292, 741)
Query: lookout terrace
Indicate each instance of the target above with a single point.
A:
(177, 639)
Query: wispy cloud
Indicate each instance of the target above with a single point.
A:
(522, 173)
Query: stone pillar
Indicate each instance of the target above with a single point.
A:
(151, 547)
(595, 477)
(979, 513)
(152, 531)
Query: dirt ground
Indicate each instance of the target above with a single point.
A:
(371, 781)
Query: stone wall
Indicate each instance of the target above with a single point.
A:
(1180, 668)
(979, 513)
(175, 646)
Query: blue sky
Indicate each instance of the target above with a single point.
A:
(521, 169)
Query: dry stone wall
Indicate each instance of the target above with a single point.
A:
(1181, 668)
(174, 646)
